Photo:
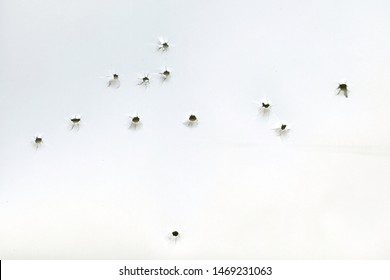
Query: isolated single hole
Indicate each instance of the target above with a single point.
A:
(192, 118)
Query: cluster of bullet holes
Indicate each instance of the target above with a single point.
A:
(163, 46)
(145, 80)
(282, 127)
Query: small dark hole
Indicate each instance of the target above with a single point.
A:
(145, 79)
(175, 233)
(38, 140)
(75, 120)
(166, 73)
(283, 126)
(265, 105)
(192, 118)
(343, 86)
(135, 119)
(116, 76)
(165, 45)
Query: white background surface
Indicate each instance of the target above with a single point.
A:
(230, 186)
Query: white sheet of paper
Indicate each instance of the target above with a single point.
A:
(230, 185)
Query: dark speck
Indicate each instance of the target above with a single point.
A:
(342, 87)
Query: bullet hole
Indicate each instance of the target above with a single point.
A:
(165, 74)
(114, 81)
(191, 121)
(75, 122)
(174, 236)
(282, 129)
(135, 122)
(192, 118)
(37, 142)
(265, 107)
(144, 81)
(163, 45)
(343, 88)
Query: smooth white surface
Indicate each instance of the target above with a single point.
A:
(230, 186)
